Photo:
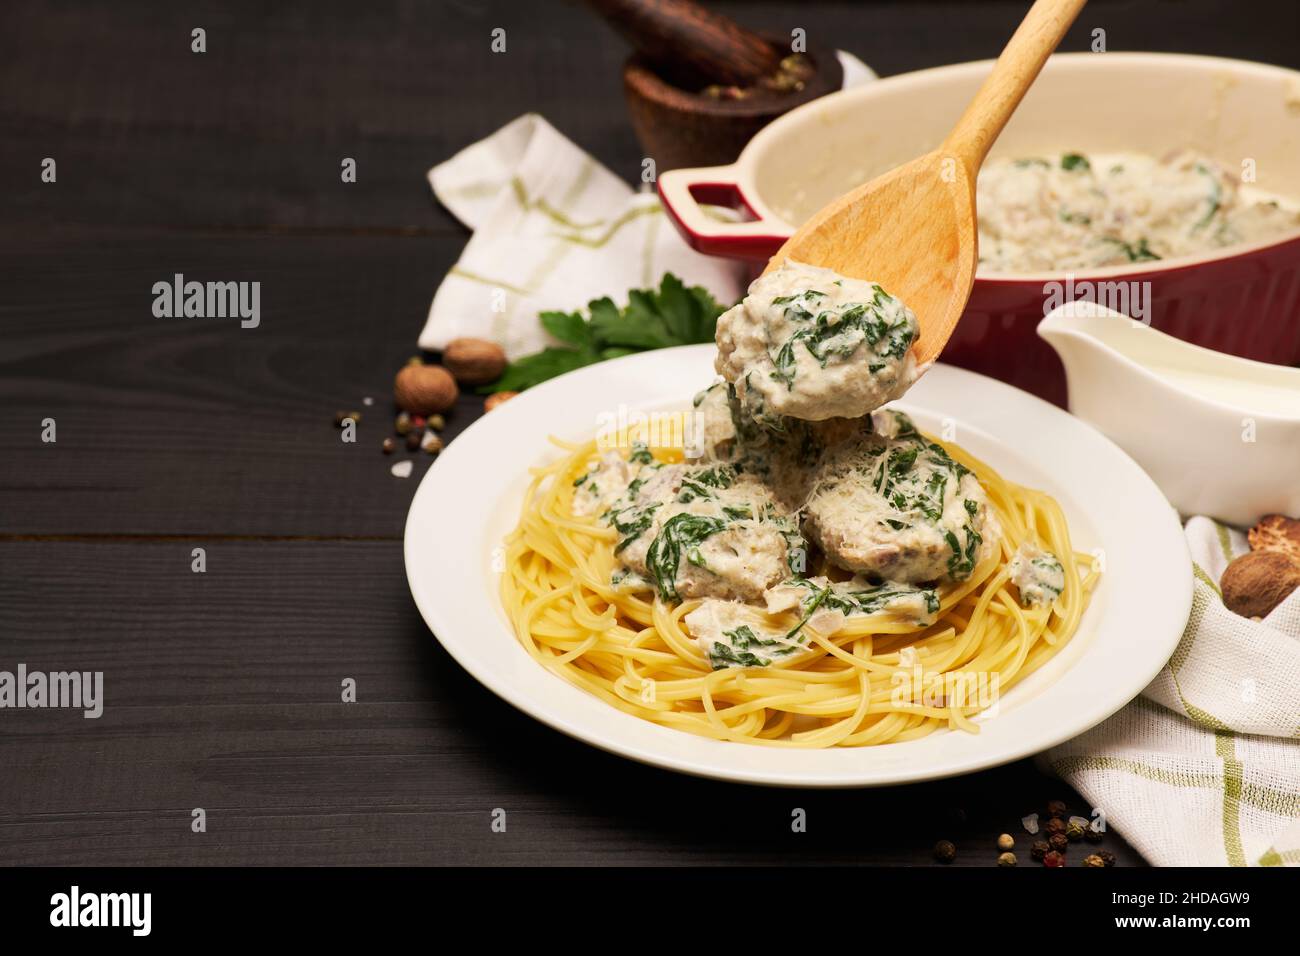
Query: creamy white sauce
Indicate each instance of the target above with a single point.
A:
(735, 635)
(1088, 210)
(702, 531)
(1037, 574)
(1231, 390)
(810, 344)
(790, 446)
(898, 507)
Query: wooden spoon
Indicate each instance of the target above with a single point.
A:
(913, 230)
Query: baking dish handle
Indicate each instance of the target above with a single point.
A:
(684, 193)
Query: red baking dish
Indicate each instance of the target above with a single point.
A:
(1244, 300)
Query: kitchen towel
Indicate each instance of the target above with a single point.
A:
(1203, 769)
(554, 229)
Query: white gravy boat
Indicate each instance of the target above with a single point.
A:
(1220, 435)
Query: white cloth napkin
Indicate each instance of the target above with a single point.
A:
(1203, 769)
(554, 229)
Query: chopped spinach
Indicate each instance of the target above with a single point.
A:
(738, 651)
(1139, 252)
(1072, 161)
(682, 533)
(640, 454)
(633, 527)
(840, 331)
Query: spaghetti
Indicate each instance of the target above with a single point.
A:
(879, 678)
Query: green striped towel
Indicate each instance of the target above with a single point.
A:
(1203, 769)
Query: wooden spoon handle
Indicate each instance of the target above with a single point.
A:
(1030, 46)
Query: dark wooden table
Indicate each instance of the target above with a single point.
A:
(223, 688)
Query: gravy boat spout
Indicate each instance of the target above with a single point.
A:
(1219, 434)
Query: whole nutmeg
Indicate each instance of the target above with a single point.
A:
(496, 398)
(474, 361)
(424, 389)
(1255, 583)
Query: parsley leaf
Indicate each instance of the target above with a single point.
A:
(652, 319)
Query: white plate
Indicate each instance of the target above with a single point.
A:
(470, 499)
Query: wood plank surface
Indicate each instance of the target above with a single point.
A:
(222, 690)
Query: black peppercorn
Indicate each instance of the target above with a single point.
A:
(1058, 842)
(389, 446)
(1054, 826)
(1092, 834)
(1040, 849)
(1107, 857)
(945, 851)
(1057, 808)
(413, 439)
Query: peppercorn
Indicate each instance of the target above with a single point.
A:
(1074, 831)
(431, 443)
(413, 440)
(437, 422)
(1006, 842)
(415, 360)
(417, 422)
(1092, 834)
(1107, 857)
(389, 446)
(945, 851)
(1092, 859)
(1007, 859)
(402, 424)
(1040, 849)
(1054, 826)
(1054, 859)
(341, 417)
(1057, 808)
(1058, 842)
